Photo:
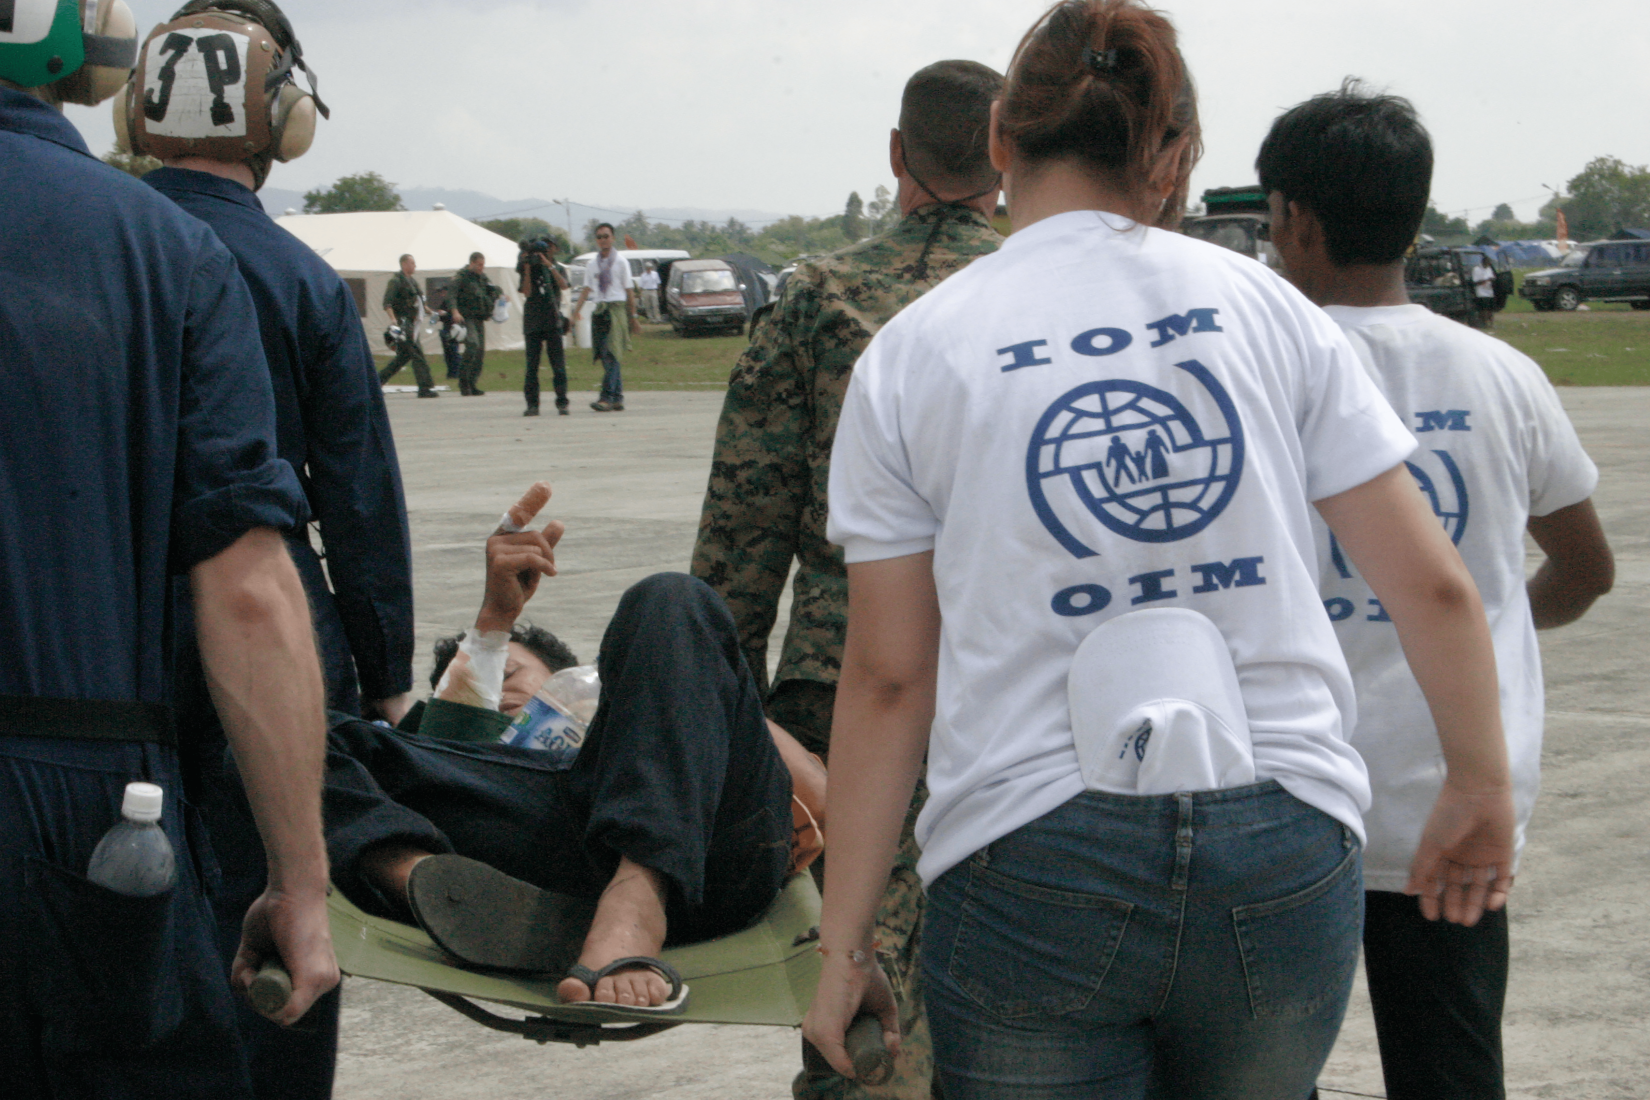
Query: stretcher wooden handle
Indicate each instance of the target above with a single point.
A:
(873, 1065)
(270, 988)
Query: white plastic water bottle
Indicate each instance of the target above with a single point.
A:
(556, 717)
(135, 858)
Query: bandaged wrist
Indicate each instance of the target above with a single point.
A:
(475, 676)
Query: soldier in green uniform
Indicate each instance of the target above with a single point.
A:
(765, 504)
(472, 295)
(405, 302)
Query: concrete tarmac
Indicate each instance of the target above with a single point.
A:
(628, 486)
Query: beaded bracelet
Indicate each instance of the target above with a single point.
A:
(857, 956)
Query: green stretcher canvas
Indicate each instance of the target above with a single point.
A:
(765, 974)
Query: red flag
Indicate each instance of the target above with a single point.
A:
(1563, 226)
(629, 241)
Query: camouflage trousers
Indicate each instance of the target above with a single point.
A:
(804, 709)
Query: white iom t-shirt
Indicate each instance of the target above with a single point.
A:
(1095, 419)
(1495, 448)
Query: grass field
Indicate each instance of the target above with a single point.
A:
(1608, 345)
(657, 360)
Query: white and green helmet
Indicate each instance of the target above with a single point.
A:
(47, 41)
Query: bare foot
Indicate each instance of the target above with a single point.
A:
(630, 920)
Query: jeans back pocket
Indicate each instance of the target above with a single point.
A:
(1299, 951)
(1026, 950)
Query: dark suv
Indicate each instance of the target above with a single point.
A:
(1603, 271)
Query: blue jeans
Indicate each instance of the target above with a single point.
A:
(1195, 946)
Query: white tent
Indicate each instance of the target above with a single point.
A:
(366, 250)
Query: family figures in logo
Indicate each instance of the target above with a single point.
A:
(1156, 452)
(1079, 936)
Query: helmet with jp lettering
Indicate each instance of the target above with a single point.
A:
(81, 50)
(218, 81)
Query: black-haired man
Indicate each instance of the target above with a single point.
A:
(542, 282)
(765, 502)
(674, 821)
(607, 278)
(1348, 175)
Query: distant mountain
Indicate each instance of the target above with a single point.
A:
(477, 206)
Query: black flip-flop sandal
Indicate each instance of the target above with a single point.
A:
(483, 917)
(673, 1006)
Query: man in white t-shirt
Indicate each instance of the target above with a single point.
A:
(607, 279)
(1348, 176)
(1483, 291)
(649, 283)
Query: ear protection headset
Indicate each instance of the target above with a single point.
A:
(83, 49)
(217, 81)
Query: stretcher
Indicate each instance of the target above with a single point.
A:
(764, 974)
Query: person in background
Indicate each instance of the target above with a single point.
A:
(473, 296)
(404, 302)
(332, 428)
(607, 276)
(541, 285)
(1096, 936)
(677, 820)
(452, 349)
(1483, 291)
(649, 284)
(139, 446)
(765, 503)
(1348, 174)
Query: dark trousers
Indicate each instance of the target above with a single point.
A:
(451, 354)
(678, 773)
(286, 1063)
(1437, 990)
(408, 351)
(550, 342)
(105, 996)
(475, 352)
(601, 339)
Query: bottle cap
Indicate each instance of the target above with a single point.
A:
(142, 802)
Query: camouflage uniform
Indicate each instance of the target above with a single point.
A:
(765, 506)
(472, 296)
(403, 302)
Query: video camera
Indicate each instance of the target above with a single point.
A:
(536, 246)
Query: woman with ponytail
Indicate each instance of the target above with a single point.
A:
(1074, 485)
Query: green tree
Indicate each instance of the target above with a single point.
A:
(853, 217)
(882, 211)
(1608, 195)
(1503, 213)
(1438, 224)
(367, 191)
(521, 229)
(130, 163)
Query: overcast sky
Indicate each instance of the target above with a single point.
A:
(785, 105)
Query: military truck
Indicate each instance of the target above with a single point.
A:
(1236, 218)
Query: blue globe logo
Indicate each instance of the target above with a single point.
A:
(1135, 458)
(1446, 492)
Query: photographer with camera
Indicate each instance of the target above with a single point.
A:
(542, 281)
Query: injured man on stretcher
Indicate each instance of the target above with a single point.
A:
(676, 821)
